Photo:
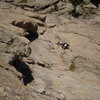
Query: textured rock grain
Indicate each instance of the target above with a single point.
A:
(51, 72)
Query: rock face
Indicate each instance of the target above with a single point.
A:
(35, 65)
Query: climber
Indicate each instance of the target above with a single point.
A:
(63, 45)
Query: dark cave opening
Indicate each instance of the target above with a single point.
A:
(23, 68)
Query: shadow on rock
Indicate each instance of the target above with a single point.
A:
(23, 68)
(29, 27)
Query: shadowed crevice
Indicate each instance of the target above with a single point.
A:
(29, 27)
(24, 69)
(32, 36)
(95, 2)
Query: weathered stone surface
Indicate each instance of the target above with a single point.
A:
(40, 68)
(80, 62)
(12, 88)
(36, 4)
(12, 46)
